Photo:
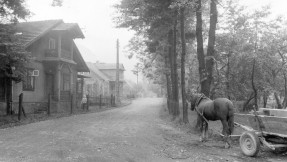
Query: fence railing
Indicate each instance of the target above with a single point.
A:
(101, 100)
(69, 99)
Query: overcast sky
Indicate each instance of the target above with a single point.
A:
(95, 19)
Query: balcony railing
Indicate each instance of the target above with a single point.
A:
(51, 53)
(66, 54)
(54, 53)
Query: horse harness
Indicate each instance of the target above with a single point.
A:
(202, 96)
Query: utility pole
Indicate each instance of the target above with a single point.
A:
(136, 72)
(118, 74)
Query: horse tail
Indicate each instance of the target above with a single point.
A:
(231, 118)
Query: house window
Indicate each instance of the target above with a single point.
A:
(52, 43)
(29, 81)
(65, 82)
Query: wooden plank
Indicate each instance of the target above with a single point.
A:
(272, 124)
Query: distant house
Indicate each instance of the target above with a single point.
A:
(55, 64)
(97, 83)
(109, 69)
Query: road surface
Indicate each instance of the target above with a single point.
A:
(132, 133)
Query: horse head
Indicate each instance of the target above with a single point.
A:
(193, 99)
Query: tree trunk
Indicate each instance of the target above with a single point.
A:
(253, 85)
(211, 43)
(183, 54)
(247, 102)
(279, 105)
(285, 91)
(227, 76)
(168, 87)
(265, 99)
(170, 59)
(175, 84)
(200, 52)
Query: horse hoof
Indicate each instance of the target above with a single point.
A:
(201, 139)
(227, 146)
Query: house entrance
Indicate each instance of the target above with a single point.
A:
(50, 84)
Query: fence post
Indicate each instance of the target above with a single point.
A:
(49, 104)
(111, 101)
(100, 101)
(88, 101)
(72, 103)
(20, 106)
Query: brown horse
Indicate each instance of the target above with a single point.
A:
(219, 109)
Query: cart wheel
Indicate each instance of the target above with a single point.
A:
(249, 143)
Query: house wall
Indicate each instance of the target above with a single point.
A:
(112, 73)
(37, 98)
(95, 86)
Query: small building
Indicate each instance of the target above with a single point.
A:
(54, 66)
(110, 70)
(97, 83)
(102, 79)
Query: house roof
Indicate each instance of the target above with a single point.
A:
(82, 67)
(95, 69)
(71, 27)
(109, 66)
(32, 31)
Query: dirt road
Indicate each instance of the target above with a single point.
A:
(132, 133)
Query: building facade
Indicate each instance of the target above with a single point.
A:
(53, 69)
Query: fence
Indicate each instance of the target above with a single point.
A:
(67, 103)
(101, 101)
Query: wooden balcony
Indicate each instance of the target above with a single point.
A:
(53, 53)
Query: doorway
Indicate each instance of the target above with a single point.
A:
(50, 83)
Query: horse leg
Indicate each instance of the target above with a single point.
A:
(225, 131)
(201, 126)
(204, 131)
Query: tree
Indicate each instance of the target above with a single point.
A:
(206, 62)
(183, 55)
(156, 21)
(13, 55)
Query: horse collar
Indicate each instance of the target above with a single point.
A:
(199, 100)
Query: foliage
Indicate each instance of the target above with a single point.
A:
(12, 10)
(241, 37)
(13, 55)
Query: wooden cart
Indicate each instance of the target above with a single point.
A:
(266, 131)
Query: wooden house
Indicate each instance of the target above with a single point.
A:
(54, 66)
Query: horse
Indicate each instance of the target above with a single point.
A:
(219, 109)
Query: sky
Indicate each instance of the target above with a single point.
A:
(95, 19)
